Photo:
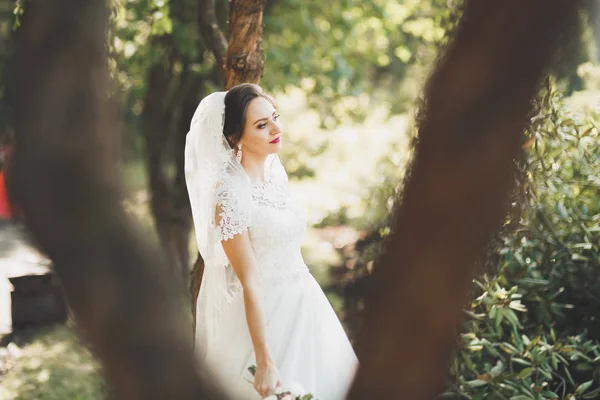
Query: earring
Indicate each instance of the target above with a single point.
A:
(238, 154)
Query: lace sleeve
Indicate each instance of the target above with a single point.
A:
(233, 211)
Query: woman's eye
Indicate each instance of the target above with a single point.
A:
(276, 117)
(261, 126)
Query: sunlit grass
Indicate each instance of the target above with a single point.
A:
(54, 366)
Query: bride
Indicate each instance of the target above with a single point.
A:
(258, 302)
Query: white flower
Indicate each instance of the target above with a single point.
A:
(295, 388)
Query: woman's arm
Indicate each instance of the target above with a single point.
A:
(239, 252)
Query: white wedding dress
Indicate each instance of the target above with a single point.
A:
(305, 337)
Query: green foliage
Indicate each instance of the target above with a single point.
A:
(500, 357)
(338, 51)
(553, 254)
(532, 330)
(348, 55)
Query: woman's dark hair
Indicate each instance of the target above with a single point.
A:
(236, 104)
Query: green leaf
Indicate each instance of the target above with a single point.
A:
(511, 316)
(579, 257)
(586, 246)
(525, 373)
(584, 387)
(476, 383)
(550, 395)
(547, 374)
(499, 315)
(517, 339)
(569, 375)
(497, 370)
(531, 281)
(594, 394)
(508, 348)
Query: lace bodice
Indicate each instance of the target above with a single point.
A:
(275, 224)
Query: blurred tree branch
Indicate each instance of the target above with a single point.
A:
(65, 179)
(476, 107)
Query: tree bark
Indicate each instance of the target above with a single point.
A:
(65, 177)
(168, 197)
(211, 33)
(477, 103)
(245, 59)
(166, 117)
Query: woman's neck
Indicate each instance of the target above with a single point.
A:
(255, 167)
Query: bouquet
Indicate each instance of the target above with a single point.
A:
(291, 392)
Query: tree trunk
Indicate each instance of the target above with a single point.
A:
(245, 60)
(166, 117)
(211, 33)
(168, 201)
(188, 107)
(477, 103)
(65, 177)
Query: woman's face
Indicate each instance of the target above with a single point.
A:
(262, 130)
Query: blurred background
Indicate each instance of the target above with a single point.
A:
(347, 77)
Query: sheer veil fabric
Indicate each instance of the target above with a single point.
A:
(214, 176)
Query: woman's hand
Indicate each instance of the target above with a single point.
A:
(266, 379)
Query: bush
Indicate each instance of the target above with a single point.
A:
(532, 330)
(498, 357)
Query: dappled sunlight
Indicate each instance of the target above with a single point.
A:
(348, 80)
(349, 166)
(55, 366)
(43, 376)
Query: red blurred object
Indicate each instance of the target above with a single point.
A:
(6, 211)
